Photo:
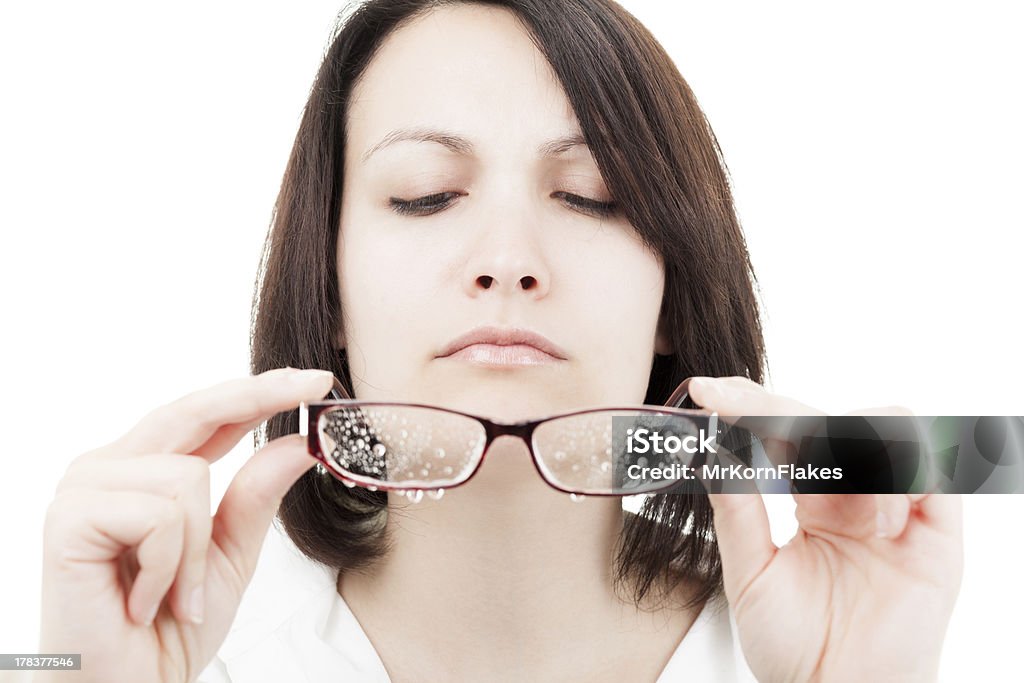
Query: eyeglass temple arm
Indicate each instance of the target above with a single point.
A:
(338, 391)
(676, 401)
(680, 395)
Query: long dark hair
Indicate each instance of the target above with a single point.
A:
(659, 159)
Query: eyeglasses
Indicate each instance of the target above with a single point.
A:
(416, 449)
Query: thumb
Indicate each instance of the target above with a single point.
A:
(252, 499)
(744, 540)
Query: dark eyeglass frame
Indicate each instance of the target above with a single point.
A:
(309, 414)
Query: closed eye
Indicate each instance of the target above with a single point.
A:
(431, 204)
(424, 206)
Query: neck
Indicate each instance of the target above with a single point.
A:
(504, 559)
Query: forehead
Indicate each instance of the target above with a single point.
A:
(462, 67)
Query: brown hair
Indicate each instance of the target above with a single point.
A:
(661, 163)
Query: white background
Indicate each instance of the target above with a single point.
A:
(875, 150)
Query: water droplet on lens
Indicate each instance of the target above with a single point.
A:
(415, 495)
(440, 452)
(379, 449)
(371, 488)
(576, 497)
(436, 494)
(559, 455)
(360, 444)
(605, 466)
(349, 484)
(448, 470)
(424, 473)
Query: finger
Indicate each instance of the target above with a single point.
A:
(853, 516)
(726, 394)
(744, 540)
(834, 514)
(186, 424)
(185, 478)
(779, 451)
(748, 405)
(225, 438)
(92, 526)
(892, 514)
(253, 497)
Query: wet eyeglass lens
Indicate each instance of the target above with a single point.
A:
(401, 445)
(619, 452)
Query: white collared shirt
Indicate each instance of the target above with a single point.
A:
(292, 625)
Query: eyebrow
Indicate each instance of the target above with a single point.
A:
(463, 146)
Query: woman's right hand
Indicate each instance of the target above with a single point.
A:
(131, 524)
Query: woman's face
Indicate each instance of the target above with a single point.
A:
(505, 245)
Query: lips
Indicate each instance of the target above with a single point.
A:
(503, 345)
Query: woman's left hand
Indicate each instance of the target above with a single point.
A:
(863, 591)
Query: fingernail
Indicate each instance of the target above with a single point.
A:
(881, 524)
(195, 605)
(310, 376)
(716, 389)
(708, 386)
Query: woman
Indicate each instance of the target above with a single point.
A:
(483, 169)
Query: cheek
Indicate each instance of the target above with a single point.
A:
(385, 286)
(618, 286)
(623, 282)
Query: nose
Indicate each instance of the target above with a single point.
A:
(508, 260)
(528, 283)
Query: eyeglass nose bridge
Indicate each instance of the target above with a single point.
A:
(523, 430)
